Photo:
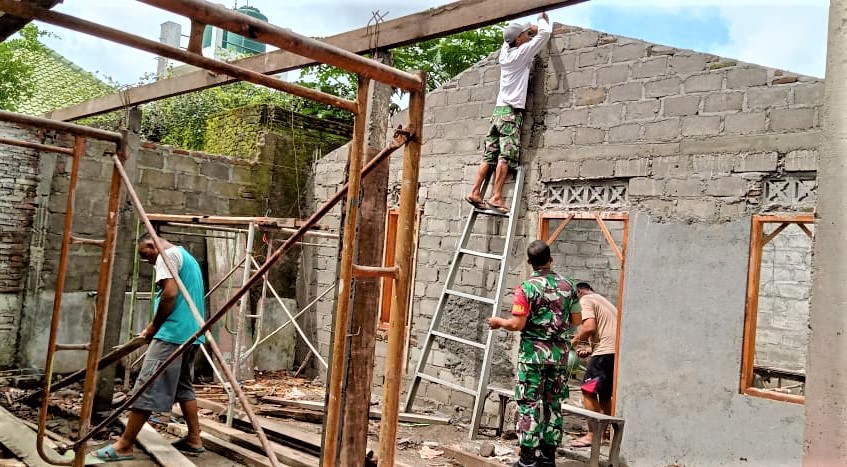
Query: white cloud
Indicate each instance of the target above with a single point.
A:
(792, 38)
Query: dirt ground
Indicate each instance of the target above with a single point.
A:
(418, 444)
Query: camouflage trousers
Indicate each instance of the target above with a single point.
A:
(504, 137)
(539, 393)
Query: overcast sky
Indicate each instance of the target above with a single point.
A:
(787, 34)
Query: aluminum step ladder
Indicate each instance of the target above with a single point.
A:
(481, 390)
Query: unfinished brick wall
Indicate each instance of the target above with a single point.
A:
(782, 322)
(612, 124)
(18, 183)
(168, 180)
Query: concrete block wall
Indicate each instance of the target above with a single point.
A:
(782, 322)
(582, 253)
(168, 180)
(690, 145)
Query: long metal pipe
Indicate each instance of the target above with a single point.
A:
(72, 128)
(329, 450)
(220, 16)
(59, 19)
(400, 296)
(210, 341)
(36, 146)
(79, 152)
(400, 138)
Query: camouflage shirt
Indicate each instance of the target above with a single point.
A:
(547, 300)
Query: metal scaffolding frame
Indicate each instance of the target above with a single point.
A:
(201, 12)
(233, 226)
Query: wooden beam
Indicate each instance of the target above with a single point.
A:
(773, 234)
(754, 270)
(195, 38)
(232, 451)
(175, 53)
(608, 236)
(21, 441)
(286, 455)
(429, 24)
(10, 24)
(806, 230)
(159, 448)
(374, 414)
(263, 31)
(467, 459)
(559, 229)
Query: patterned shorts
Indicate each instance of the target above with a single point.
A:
(504, 137)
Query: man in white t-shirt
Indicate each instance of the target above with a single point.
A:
(521, 43)
(599, 330)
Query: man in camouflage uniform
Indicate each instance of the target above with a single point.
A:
(545, 306)
(521, 43)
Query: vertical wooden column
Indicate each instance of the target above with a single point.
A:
(826, 376)
(366, 290)
(337, 368)
(403, 260)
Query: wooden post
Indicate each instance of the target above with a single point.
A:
(403, 260)
(366, 291)
(825, 439)
(342, 312)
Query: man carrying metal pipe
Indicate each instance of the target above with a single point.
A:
(521, 43)
(172, 325)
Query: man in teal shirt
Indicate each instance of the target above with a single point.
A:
(173, 324)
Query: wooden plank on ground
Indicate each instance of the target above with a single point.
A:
(295, 413)
(233, 452)
(375, 414)
(21, 442)
(467, 459)
(159, 448)
(435, 22)
(286, 455)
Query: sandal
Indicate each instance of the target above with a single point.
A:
(109, 454)
(502, 209)
(182, 445)
(476, 204)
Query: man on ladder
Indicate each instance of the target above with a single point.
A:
(545, 306)
(521, 43)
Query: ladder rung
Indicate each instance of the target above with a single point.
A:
(72, 346)
(458, 339)
(87, 241)
(489, 301)
(443, 382)
(480, 254)
(491, 212)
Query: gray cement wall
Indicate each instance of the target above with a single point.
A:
(680, 353)
(691, 145)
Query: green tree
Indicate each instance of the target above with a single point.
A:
(17, 79)
(441, 58)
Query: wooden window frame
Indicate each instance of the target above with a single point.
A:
(620, 252)
(758, 240)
